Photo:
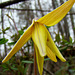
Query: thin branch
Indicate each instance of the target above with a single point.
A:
(27, 9)
(13, 22)
(7, 3)
(33, 10)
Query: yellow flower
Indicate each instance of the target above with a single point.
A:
(43, 42)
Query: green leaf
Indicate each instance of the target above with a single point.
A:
(27, 62)
(6, 29)
(4, 66)
(63, 48)
(3, 40)
(21, 32)
(14, 68)
(72, 70)
(5, 70)
(11, 43)
(26, 70)
(57, 37)
(65, 42)
(46, 59)
(70, 39)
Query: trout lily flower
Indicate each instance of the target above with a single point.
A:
(43, 42)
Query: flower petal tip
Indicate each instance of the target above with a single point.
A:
(63, 60)
(55, 61)
(3, 61)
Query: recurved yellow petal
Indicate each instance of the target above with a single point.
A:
(39, 38)
(55, 50)
(50, 54)
(40, 60)
(52, 46)
(24, 38)
(55, 16)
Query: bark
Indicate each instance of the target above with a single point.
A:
(72, 22)
(4, 4)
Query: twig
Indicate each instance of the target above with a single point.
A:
(13, 22)
(33, 10)
(7, 3)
